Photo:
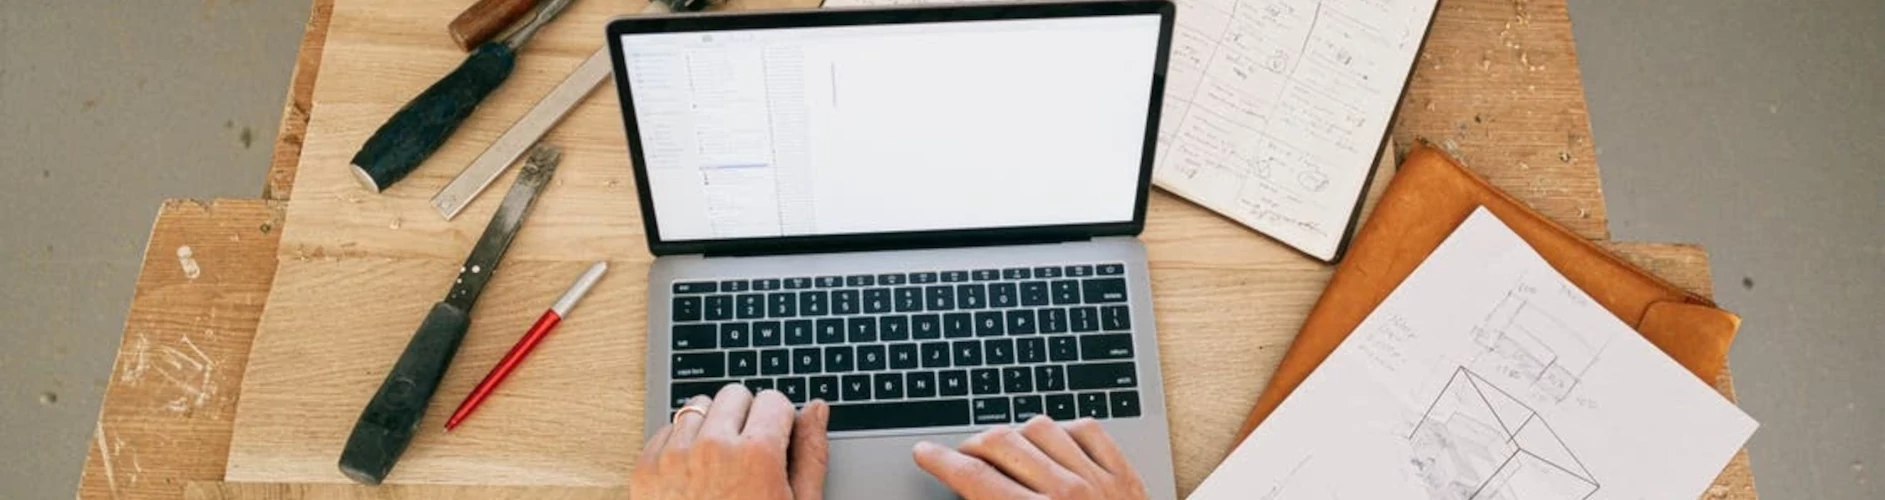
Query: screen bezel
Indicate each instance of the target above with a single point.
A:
(903, 15)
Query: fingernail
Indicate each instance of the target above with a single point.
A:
(924, 447)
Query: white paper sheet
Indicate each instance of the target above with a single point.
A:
(1274, 109)
(1486, 375)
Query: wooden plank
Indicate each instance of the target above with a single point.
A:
(269, 491)
(298, 105)
(168, 410)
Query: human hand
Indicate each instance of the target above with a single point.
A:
(1041, 460)
(736, 448)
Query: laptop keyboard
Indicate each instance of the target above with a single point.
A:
(922, 349)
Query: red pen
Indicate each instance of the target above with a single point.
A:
(529, 342)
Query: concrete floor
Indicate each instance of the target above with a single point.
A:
(1749, 126)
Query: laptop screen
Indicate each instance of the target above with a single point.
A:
(885, 128)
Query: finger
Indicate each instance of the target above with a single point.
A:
(652, 448)
(1099, 445)
(968, 476)
(687, 424)
(1010, 452)
(728, 413)
(811, 452)
(770, 420)
(1057, 444)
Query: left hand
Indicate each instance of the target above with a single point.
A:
(738, 449)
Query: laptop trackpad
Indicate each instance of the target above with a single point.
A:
(884, 467)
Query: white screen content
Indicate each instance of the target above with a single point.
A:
(890, 128)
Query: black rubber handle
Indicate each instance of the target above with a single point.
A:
(392, 417)
(419, 128)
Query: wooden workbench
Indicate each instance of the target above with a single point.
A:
(1497, 85)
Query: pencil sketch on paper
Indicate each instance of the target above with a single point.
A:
(1478, 442)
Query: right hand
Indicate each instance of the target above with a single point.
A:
(1041, 460)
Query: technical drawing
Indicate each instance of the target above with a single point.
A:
(1478, 442)
(1531, 351)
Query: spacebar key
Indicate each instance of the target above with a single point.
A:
(938, 413)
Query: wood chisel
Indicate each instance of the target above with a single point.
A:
(391, 418)
(419, 128)
(540, 119)
(486, 19)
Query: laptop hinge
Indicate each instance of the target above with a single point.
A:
(888, 246)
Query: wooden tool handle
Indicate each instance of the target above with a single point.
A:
(485, 19)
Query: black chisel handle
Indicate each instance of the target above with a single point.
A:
(392, 417)
(419, 128)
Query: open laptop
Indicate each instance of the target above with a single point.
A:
(924, 216)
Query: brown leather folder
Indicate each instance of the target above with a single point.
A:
(1431, 195)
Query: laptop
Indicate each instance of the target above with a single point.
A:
(925, 216)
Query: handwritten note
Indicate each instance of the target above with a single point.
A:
(1274, 109)
(1486, 375)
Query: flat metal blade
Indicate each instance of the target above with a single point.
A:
(497, 236)
(528, 129)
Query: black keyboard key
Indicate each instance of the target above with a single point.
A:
(898, 415)
(680, 392)
(958, 325)
(1002, 295)
(920, 384)
(862, 330)
(877, 300)
(922, 278)
(1080, 271)
(903, 356)
(767, 334)
(870, 358)
(1030, 350)
(775, 362)
(1026, 407)
(985, 274)
(766, 284)
(856, 388)
(799, 332)
(893, 328)
(939, 298)
(952, 383)
(1112, 269)
(860, 280)
(1017, 380)
(844, 302)
(691, 337)
(989, 324)
(892, 279)
(1061, 407)
(955, 276)
(750, 306)
(798, 283)
(829, 281)
(814, 303)
(1061, 349)
(925, 327)
(742, 363)
(1021, 322)
(991, 411)
(794, 390)
(1047, 272)
(758, 384)
(1033, 293)
(1124, 403)
(823, 387)
(1016, 273)
(733, 286)
(1093, 404)
(1065, 292)
(985, 381)
(807, 361)
(1084, 319)
(696, 287)
(782, 305)
(829, 331)
(1053, 320)
(967, 352)
(1115, 318)
(839, 359)
(1050, 378)
(736, 334)
(972, 296)
(1116, 375)
(909, 299)
(935, 354)
(889, 386)
(1103, 290)
(719, 308)
(686, 309)
(1106, 346)
(998, 351)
